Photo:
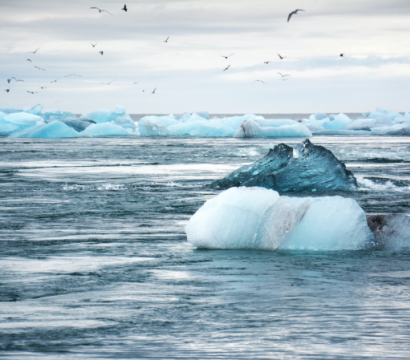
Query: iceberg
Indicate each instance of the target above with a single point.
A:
(272, 128)
(106, 129)
(258, 218)
(391, 231)
(35, 110)
(54, 114)
(23, 119)
(307, 167)
(77, 124)
(53, 130)
(102, 116)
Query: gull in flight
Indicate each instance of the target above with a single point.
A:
(281, 57)
(267, 62)
(109, 82)
(28, 60)
(16, 79)
(101, 10)
(40, 68)
(101, 52)
(94, 45)
(32, 92)
(125, 8)
(166, 40)
(33, 52)
(226, 57)
(294, 13)
(73, 75)
(8, 81)
(260, 81)
(154, 91)
(7, 90)
(227, 67)
(43, 87)
(342, 54)
(283, 75)
(54, 80)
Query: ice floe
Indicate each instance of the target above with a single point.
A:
(258, 218)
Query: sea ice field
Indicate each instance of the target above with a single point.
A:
(101, 256)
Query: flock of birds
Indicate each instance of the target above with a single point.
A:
(284, 77)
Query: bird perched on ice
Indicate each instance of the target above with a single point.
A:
(281, 57)
(101, 52)
(166, 40)
(125, 8)
(227, 67)
(294, 13)
(226, 57)
(101, 10)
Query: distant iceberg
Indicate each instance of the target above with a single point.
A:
(379, 122)
(258, 218)
(306, 167)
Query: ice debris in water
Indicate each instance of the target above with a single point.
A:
(307, 167)
(391, 231)
(379, 122)
(258, 218)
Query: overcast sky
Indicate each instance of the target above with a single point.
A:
(188, 70)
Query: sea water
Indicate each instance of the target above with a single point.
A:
(94, 260)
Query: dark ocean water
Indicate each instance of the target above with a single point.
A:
(94, 261)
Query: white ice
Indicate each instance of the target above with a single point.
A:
(258, 218)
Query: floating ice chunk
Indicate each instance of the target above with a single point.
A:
(320, 116)
(126, 123)
(10, 110)
(391, 231)
(272, 128)
(35, 110)
(54, 114)
(188, 128)
(23, 118)
(257, 218)
(106, 129)
(307, 167)
(384, 130)
(102, 116)
(339, 122)
(6, 128)
(155, 125)
(53, 130)
(76, 124)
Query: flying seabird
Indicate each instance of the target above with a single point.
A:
(28, 60)
(16, 79)
(283, 75)
(33, 52)
(94, 45)
(43, 87)
(154, 91)
(281, 57)
(72, 75)
(101, 10)
(8, 81)
(226, 57)
(40, 68)
(125, 8)
(267, 62)
(32, 92)
(227, 67)
(54, 81)
(294, 13)
(7, 90)
(101, 52)
(109, 82)
(260, 81)
(166, 40)
(342, 54)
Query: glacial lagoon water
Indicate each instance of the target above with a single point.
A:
(94, 261)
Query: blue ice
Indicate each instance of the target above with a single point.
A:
(53, 130)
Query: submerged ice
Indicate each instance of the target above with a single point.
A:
(307, 167)
(258, 218)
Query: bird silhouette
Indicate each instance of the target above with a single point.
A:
(283, 75)
(227, 67)
(154, 91)
(341, 55)
(32, 92)
(101, 52)
(7, 90)
(226, 57)
(8, 81)
(73, 75)
(125, 8)
(15, 79)
(33, 52)
(267, 62)
(109, 82)
(294, 13)
(260, 81)
(40, 68)
(94, 45)
(166, 40)
(43, 87)
(101, 10)
(28, 60)
(281, 57)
